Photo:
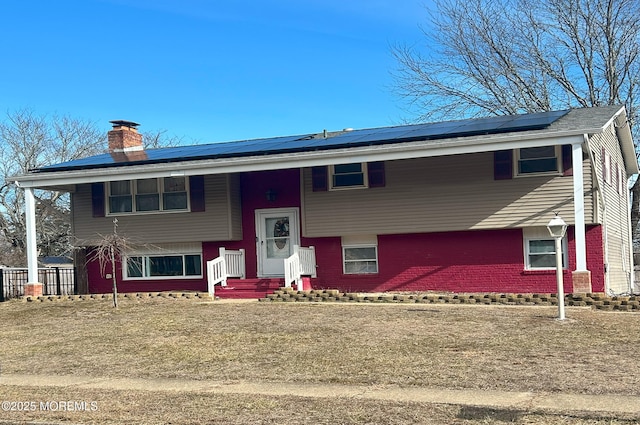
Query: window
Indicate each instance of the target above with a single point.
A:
(175, 193)
(538, 160)
(606, 166)
(155, 266)
(540, 250)
(120, 197)
(148, 195)
(360, 254)
(348, 176)
(622, 180)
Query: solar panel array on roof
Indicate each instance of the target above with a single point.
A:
(448, 129)
(304, 143)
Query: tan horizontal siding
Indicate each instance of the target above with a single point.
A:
(214, 224)
(614, 213)
(439, 194)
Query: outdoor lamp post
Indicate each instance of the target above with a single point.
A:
(557, 228)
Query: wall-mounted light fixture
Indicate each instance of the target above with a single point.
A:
(270, 195)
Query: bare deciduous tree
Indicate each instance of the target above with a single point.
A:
(161, 139)
(108, 250)
(496, 57)
(29, 141)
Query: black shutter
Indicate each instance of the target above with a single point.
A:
(376, 174)
(319, 178)
(196, 193)
(503, 165)
(97, 199)
(567, 162)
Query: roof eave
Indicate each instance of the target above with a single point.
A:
(623, 131)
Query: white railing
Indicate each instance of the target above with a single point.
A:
(216, 273)
(229, 264)
(301, 263)
(235, 263)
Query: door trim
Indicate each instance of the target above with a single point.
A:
(294, 228)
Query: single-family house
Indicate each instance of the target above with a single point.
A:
(449, 206)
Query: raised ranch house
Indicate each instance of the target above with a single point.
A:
(454, 206)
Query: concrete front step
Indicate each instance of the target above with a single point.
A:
(248, 288)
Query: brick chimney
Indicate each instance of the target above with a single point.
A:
(124, 137)
(125, 143)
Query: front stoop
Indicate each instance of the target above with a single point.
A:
(248, 288)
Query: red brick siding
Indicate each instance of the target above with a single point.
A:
(472, 261)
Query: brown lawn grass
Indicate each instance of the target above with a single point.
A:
(459, 347)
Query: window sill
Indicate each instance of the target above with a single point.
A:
(542, 271)
(339, 188)
(135, 213)
(544, 174)
(359, 275)
(156, 278)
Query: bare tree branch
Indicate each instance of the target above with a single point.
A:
(495, 57)
(29, 141)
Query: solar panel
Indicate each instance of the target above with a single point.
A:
(534, 121)
(308, 142)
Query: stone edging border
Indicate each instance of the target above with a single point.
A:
(124, 296)
(599, 301)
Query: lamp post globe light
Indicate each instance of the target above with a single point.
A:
(558, 228)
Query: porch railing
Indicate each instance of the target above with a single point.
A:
(229, 263)
(301, 263)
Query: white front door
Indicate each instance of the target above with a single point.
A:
(277, 231)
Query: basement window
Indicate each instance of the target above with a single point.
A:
(360, 254)
(540, 249)
(153, 266)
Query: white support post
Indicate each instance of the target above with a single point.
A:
(32, 247)
(559, 279)
(578, 206)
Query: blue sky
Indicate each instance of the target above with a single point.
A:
(208, 70)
